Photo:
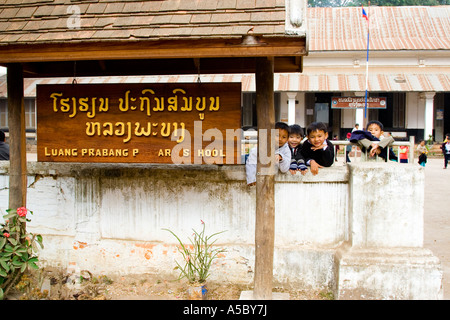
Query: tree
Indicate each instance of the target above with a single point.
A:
(352, 3)
(332, 3)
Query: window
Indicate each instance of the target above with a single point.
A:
(3, 113)
(249, 109)
(393, 117)
(30, 113)
(398, 110)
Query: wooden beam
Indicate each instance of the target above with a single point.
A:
(173, 49)
(17, 139)
(91, 68)
(265, 181)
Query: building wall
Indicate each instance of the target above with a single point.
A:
(414, 114)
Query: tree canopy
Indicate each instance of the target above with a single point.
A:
(353, 3)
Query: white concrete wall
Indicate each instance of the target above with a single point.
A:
(109, 219)
(387, 205)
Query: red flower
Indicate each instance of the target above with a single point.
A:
(6, 234)
(22, 211)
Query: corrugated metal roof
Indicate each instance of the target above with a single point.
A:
(357, 82)
(391, 28)
(282, 82)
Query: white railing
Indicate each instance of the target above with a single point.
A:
(249, 143)
(355, 148)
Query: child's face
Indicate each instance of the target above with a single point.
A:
(317, 138)
(282, 136)
(422, 143)
(294, 140)
(375, 130)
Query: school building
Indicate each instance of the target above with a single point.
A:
(409, 65)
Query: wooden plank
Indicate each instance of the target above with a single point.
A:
(265, 182)
(107, 50)
(17, 139)
(134, 122)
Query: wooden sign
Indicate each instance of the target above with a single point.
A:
(358, 102)
(190, 123)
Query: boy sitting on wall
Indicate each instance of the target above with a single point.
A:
(366, 141)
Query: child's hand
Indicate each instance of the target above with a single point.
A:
(323, 145)
(278, 158)
(251, 184)
(293, 172)
(375, 149)
(303, 172)
(314, 167)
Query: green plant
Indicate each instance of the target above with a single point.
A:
(198, 256)
(430, 140)
(17, 248)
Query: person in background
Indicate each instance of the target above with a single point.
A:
(422, 153)
(446, 149)
(4, 147)
(403, 154)
(348, 148)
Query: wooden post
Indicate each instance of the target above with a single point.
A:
(17, 138)
(265, 186)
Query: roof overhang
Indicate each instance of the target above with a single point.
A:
(152, 37)
(283, 82)
(155, 57)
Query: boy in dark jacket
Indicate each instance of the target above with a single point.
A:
(295, 145)
(366, 140)
(317, 151)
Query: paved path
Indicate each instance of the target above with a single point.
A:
(437, 216)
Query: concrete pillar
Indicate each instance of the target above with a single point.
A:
(429, 113)
(385, 258)
(386, 202)
(291, 107)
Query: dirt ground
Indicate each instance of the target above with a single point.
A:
(436, 216)
(58, 285)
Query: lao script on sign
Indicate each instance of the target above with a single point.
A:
(141, 123)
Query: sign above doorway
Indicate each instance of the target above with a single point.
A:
(358, 102)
